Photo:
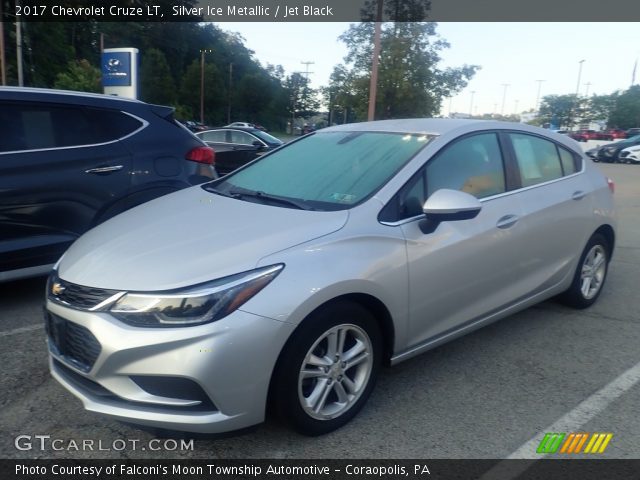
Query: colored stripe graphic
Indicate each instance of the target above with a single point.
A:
(598, 443)
(550, 442)
(573, 443)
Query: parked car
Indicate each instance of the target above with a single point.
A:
(289, 282)
(630, 155)
(195, 126)
(632, 132)
(237, 146)
(69, 161)
(592, 153)
(611, 134)
(610, 152)
(583, 135)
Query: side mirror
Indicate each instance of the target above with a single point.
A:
(448, 205)
(258, 144)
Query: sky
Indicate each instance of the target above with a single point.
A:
(515, 54)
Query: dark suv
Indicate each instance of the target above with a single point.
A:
(69, 161)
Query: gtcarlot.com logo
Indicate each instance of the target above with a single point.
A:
(574, 443)
(46, 442)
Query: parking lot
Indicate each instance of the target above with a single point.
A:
(491, 394)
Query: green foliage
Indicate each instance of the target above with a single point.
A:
(560, 110)
(626, 112)
(80, 76)
(156, 83)
(410, 82)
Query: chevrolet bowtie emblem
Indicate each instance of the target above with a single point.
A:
(57, 288)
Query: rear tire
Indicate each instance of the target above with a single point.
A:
(328, 369)
(590, 274)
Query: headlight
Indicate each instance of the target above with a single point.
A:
(609, 150)
(195, 305)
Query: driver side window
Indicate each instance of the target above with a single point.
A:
(473, 165)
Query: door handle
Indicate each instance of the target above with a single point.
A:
(507, 221)
(99, 170)
(579, 195)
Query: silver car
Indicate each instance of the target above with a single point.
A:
(290, 282)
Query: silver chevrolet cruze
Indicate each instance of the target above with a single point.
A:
(285, 285)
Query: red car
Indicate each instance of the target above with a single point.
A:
(611, 134)
(584, 135)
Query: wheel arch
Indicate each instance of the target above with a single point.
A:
(373, 305)
(609, 234)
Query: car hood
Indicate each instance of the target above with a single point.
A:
(188, 237)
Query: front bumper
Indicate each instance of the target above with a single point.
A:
(229, 362)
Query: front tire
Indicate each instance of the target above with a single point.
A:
(590, 274)
(328, 369)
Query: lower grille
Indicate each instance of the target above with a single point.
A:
(89, 387)
(72, 342)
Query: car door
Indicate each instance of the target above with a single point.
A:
(557, 208)
(56, 174)
(465, 269)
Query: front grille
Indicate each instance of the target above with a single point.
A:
(72, 342)
(76, 296)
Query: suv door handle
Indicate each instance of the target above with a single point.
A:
(99, 170)
(579, 195)
(507, 221)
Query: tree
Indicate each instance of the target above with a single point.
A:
(156, 83)
(410, 82)
(626, 113)
(559, 110)
(214, 92)
(601, 106)
(303, 101)
(80, 76)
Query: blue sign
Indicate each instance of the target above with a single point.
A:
(116, 69)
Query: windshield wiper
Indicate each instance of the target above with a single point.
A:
(269, 198)
(220, 192)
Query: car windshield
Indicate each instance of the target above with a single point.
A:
(266, 137)
(324, 171)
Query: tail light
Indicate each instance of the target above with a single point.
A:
(612, 185)
(204, 155)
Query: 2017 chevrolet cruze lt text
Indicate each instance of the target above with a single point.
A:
(288, 283)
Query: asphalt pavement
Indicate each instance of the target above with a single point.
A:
(491, 394)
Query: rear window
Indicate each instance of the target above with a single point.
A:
(25, 126)
(330, 170)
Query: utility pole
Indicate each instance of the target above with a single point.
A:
(3, 68)
(19, 47)
(229, 99)
(202, 52)
(373, 83)
(579, 75)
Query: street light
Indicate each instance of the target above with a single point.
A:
(473, 92)
(202, 52)
(538, 95)
(504, 96)
(579, 75)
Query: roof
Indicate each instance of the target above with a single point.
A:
(42, 93)
(433, 126)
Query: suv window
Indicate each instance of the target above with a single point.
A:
(537, 159)
(41, 126)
